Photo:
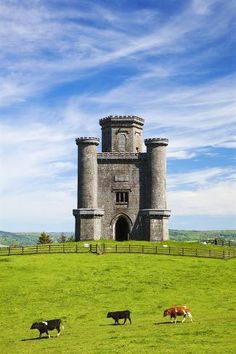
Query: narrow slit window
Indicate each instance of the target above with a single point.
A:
(122, 197)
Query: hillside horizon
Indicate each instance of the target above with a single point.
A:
(8, 238)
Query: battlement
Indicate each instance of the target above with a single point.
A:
(87, 140)
(156, 141)
(120, 120)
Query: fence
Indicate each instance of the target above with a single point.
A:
(221, 242)
(118, 248)
(164, 250)
(45, 249)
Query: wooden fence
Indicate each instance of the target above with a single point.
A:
(118, 248)
(164, 250)
(46, 249)
(220, 242)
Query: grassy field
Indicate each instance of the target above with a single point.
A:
(82, 288)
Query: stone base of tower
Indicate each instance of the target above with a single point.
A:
(156, 224)
(87, 224)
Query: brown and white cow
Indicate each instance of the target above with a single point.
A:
(175, 311)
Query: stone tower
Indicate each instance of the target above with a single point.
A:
(121, 191)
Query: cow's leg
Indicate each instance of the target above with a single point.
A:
(58, 331)
(129, 320)
(185, 315)
(190, 316)
(124, 320)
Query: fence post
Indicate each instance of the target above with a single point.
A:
(9, 251)
(182, 251)
(169, 249)
(22, 250)
(223, 254)
(63, 248)
(49, 248)
(156, 249)
(129, 249)
(142, 248)
(196, 253)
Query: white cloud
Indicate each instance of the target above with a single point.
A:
(203, 192)
(215, 199)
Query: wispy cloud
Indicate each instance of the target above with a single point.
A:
(66, 64)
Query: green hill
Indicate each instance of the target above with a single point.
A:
(27, 238)
(192, 235)
(82, 288)
(31, 238)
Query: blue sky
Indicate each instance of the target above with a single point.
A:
(66, 64)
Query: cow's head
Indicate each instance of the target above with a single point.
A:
(35, 325)
(109, 314)
(166, 312)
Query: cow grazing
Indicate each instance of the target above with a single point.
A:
(173, 312)
(120, 315)
(45, 326)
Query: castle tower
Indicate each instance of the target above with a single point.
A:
(87, 215)
(121, 191)
(156, 166)
(122, 133)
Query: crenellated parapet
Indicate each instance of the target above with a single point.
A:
(87, 140)
(119, 119)
(156, 141)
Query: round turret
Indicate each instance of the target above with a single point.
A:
(156, 151)
(87, 172)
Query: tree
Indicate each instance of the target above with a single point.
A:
(44, 238)
(62, 238)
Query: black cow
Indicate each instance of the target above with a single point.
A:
(120, 314)
(45, 326)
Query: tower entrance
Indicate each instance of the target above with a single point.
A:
(122, 229)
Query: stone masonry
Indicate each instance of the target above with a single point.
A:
(121, 191)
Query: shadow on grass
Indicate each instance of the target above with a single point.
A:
(166, 323)
(112, 324)
(37, 338)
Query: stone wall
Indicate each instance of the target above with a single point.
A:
(117, 173)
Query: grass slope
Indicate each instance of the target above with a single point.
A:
(30, 238)
(82, 288)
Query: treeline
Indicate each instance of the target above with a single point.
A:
(195, 235)
(46, 238)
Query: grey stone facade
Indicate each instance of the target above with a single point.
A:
(121, 191)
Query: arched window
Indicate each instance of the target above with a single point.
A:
(122, 142)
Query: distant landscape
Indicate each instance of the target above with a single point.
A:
(31, 238)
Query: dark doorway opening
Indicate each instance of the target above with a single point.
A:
(122, 229)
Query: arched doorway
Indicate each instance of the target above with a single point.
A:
(122, 229)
